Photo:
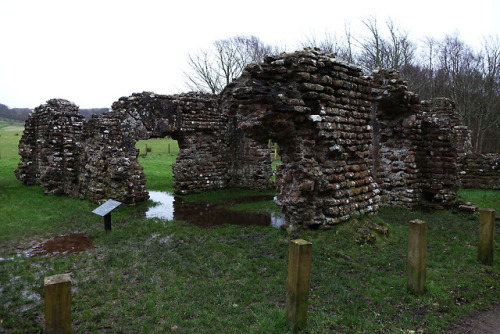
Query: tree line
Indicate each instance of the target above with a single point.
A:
(447, 67)
(21, 114)
(14, 114)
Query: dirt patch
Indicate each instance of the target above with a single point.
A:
(62, 244)
(485, 322)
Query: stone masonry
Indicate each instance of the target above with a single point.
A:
(98, 159)
(191, 119)
(416, 145)
(318, 109)
(396, 121)
(48, 148)
(349, 142)
(439, 152)
(481, 171)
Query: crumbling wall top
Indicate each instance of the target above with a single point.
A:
(391, 93)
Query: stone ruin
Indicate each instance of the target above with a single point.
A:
(318, 109)
(416, 145)
(480, 171)
(49, 146)
(98, 159)
(349, 142)
(66, 155)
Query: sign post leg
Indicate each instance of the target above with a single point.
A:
(107, 222)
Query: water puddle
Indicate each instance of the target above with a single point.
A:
(62, 244)
(208, 214)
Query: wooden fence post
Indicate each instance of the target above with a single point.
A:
(58, 304)
(417, 255)
(486, 236)
(299, 268)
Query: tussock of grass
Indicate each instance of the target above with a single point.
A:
(155, 276)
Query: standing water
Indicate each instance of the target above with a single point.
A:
(209, 213)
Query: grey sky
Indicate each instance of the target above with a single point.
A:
(92, 52)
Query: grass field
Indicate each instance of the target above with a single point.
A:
(155, 276)
(483, 198)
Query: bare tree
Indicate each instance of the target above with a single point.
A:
(332, 44)
(471, 78)
(392, 49)
(328, 43)
(348, 54)
(205, 76)
(447, 67)
(400, 50)
(214, 68)
(424, 81)
(489, 116)
(468, 76)
(372, 46)
(458, 76)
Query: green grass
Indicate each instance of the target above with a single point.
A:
(482, 198)
(154, 276)
(8, 143)
(26, 212)
(158, 163)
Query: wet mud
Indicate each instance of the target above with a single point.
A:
(62, 244)
(208, 214)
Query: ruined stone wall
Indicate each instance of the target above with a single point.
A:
(212, 153)
(250, 160)
(396, 122)
(439, 152)
(111, 167)
(50, 146)
(197, 125)
(201, 164)
(417, 145)
(317, 108)
(347, 141)
(481, 171)
(98, 159)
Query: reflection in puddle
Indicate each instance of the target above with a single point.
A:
(164, 208)
(62, 244)
(209, 214)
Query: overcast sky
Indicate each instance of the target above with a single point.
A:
(92, 52)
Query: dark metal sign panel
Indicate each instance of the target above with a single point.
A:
(107, 207)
